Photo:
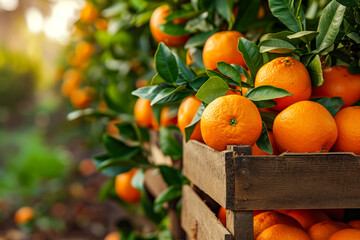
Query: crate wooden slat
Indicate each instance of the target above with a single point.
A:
(154, 182)
(239, 181)
(198, 221)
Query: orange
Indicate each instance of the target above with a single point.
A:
(89, 13)
(257, 212)
(283, 232)
(87, 167)
(338, 82)
(124, 189)
(167, 118)
(101, 24)
(24, 215)
(267, 219)
(230, 120)
(188, 58)
(335, 214)
(72, 80)
(223, 47)
(305, 126)
(113, 236)
(222, 216)
(111, 128)
(346, 234)
(157, 19)
(186, 113)
(323, 230)
(141, 83)
(348, 124)
(143, 112)
(256, 151)
(306, 217)
(81, 98)
(289, 74)
(354, 224)
(83, 50)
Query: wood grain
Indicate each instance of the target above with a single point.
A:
(240, 224)
(198, 221)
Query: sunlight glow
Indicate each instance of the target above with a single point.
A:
(34, 20)
(9, 5)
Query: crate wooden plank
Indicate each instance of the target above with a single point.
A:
(240, 224)
(297, 181)
(157, 156)
(198, 221)
(154, 182)
(207, 169)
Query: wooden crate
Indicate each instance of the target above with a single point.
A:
(242, 183)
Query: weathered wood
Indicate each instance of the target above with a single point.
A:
(206, 168)
(176, 230)
(240, 224)
(198, 221)
(154, 182)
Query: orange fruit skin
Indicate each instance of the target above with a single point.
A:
(157, 19)
(306, 217)
(166, 119)
(81, 98)
(222, 216)
(143, 112)
(256, 151)
(267, 219)
(348, 125)
(217, 119)
(87, 167)
(84, 50)
(222, 46)
(186, 113)
(346, 234)
(124, 189)
(338, 82)
(24, 215)
(111, 128)
(354, 224)
(289, 74)
(283, 232)
(323, 230)
(101, 24)
(305, 126)
(71, 81)
(113, 236)
(89, 13)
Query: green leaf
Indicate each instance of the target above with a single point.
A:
(268, 119)
(305, 36)
(246, 15)
(137, 180)
(212, 73)
(349, 3)
(213, 88)
(89, 113)
(333, 105)
(264, 142)
(286, 12)
(168, 144)
(229, 71)
(171, 175)
(173, 29)
(252, 57)
(266, 92)
(185, 75)
(166, 64)
(315, 72)
(165, 94)
(329, 25)
(199, 39)
(117, 148)
(150, 92)
(280, 46)
(283, 35)
(156, 80)
(357, 103)
(171, 193)
(354, 36)
(197, 82)
(148, 207)
(265, 104)
(224, 8)
(110, 170)
(182, 14)
(190, 128)
(306, 59)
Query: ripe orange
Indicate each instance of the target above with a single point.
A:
(222, 216)
(289, 74)
(267, 219)
(305, 126)
(354, 224)
(306, 217)
(188, 58)
(323, 230)
(157, 19)
(256, 151)
(111, 128)
(186, 113)
(24, 215)
(124, 189)
(348, 124)
(87, 167)
(71, 81)
(167, 118)
(283, 232)
(230, 120)
(89, 13)
(101, 24)
(338, 82)
(113, 236)
(223, 46)
(81, 98)
(83, 50)
(346, 234)
(143, 112)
